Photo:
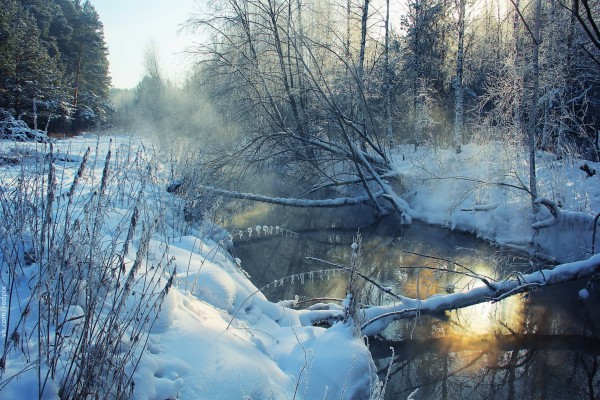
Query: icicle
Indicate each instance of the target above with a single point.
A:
(258, 228)
(249, 232)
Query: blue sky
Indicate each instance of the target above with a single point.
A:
(130, 26)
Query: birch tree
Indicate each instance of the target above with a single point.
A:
(387, 86)
(458, 88)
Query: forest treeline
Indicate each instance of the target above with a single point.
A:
(300, 78)
(53, 64)
(440, 72)
(304, 77)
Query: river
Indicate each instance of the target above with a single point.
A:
(542, 346)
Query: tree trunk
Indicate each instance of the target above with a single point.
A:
(388, 76)
(360, 73)
(286, 79)
(35, 114)
(378, 318)
(458, 89)
(290, 202)
(75, 126)
(516, 70)
(363, 42)
(347, 44)
(533, 112)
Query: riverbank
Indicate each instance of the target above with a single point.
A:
(210, 332)
(483, 190)
(108, 292)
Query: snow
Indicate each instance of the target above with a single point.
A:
(216, 335)
(481, 191)
(382, 315)
(584, 294)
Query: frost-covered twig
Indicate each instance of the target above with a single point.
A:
(470, 273)
(366, 278)
(521, 187)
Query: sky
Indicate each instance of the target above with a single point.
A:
(131, 26)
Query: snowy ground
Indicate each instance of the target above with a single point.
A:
(216, 336)
(478, 191)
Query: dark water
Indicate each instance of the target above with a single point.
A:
(543, 346)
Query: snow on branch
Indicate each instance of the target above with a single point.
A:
(558, 215)
(292, 202)
(554, 210)
(378, 318)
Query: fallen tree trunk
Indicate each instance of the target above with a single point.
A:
(292, 202)
(375, 319)
(378, 318)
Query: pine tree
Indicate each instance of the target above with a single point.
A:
(30, 79)
(53, 63)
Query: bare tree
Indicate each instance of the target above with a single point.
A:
(389, 76)
(288, 75)
(586, 13)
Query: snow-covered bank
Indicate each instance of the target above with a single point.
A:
(107, 246)
(481, 190)
(165, 297)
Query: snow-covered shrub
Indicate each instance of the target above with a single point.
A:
(18, 131)
(80, 298)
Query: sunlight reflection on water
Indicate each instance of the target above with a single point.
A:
(484, 351)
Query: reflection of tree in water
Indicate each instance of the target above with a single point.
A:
(550, 352)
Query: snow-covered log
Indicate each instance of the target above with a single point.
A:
(376, 319)
(292, 202)
(560, 216)
(554, 210)
(480, 207)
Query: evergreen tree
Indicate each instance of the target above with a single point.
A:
(85, 53)
(53, 63)
(30, 79)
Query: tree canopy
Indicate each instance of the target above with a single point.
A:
(53, 64)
